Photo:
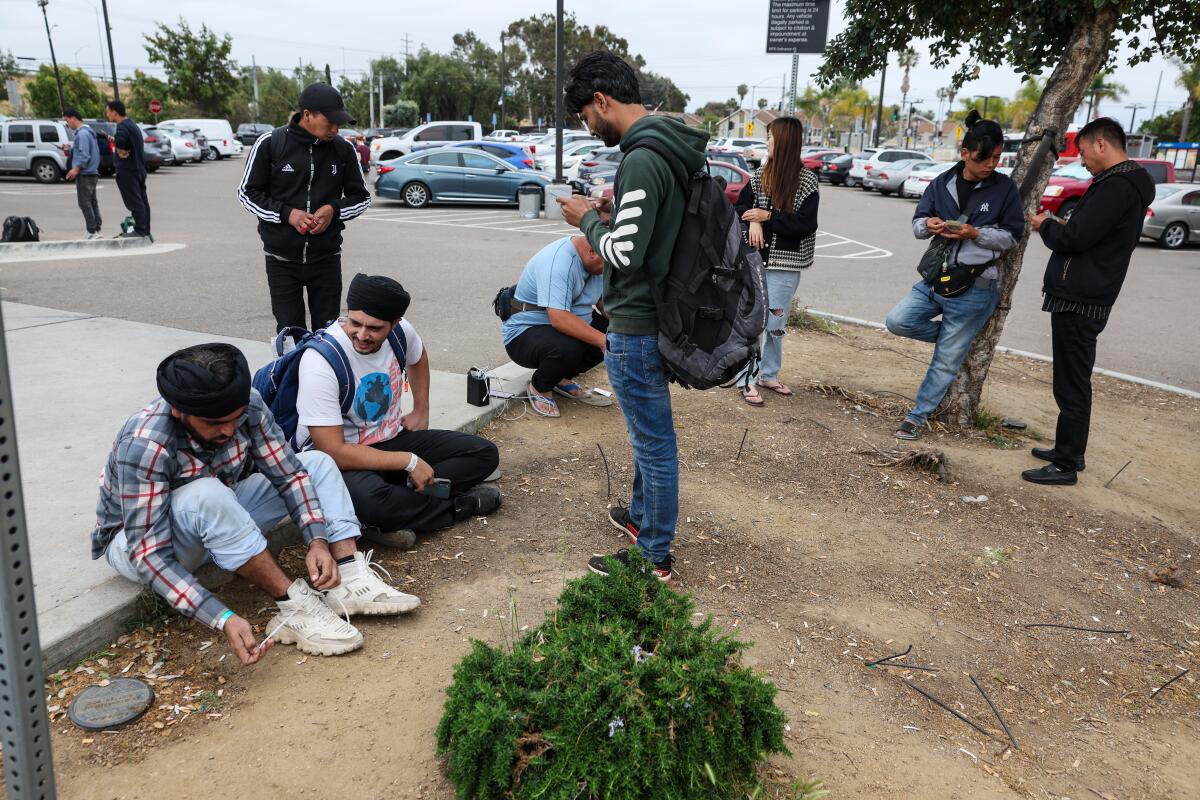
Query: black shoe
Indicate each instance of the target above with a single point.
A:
(1051, 475)
(399, 539)
(1047, 454)
(478, 501)
(908, 430)
(600, 565)
(620, 519)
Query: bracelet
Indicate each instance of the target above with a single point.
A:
(412, 463)
(221, 620)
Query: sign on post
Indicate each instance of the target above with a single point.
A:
(155, 106)
(797, 26)
(750, 128)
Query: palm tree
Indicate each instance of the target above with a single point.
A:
(742, 91)
(1103, 89)
(1189, 79)
(1023, 104)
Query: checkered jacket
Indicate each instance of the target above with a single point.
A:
(154, 454)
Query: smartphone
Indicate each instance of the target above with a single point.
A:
(438, 487)
(953, 225)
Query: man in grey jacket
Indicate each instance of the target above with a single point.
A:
(85, 170)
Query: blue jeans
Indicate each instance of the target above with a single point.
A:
(210, 520)
(781, 288)
(962, 318)
(640, 381)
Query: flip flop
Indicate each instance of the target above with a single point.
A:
(755, 400)
(542, 406)
(587, 397)
(778, 388)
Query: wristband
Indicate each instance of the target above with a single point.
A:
(221, 620)
(412, 463)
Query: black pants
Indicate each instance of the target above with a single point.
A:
(133, 194)
(85, 193)
(1074, 341)
(555, 356)
(287, 281)
(383, 499)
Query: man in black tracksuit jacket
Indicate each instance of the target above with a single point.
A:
(303, 182)
(1087, 267)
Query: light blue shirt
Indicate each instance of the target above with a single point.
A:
(85, 151)
(554, 278)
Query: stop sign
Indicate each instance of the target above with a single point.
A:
(155, 106)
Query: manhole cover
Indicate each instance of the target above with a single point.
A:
(122, 701)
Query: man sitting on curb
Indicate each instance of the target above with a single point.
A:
(555, 328)
(199, 474)
(390, 459)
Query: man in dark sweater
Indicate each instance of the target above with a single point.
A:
(1087, 267)
(130, 166)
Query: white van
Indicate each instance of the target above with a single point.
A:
(431, 134)
(221, 141)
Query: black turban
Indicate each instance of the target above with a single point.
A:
(378, 295)
(193, 389)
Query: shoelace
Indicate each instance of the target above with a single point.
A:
(379, 570)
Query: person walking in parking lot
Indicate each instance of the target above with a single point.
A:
(304, 182)
(85, 170)
(130, 166)
(1089, 258)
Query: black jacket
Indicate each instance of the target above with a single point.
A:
(289, 168)
(1091, 252)
(790, 228)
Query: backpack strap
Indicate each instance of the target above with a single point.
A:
(399, 343)
(335, 356)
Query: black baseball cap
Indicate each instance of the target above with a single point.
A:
(326, 99)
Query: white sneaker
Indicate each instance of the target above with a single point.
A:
(362, 591)
(307, 622)
(96, 235)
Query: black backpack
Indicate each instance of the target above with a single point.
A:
(20, 229)
(713, 308)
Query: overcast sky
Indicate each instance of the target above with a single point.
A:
(707, 50)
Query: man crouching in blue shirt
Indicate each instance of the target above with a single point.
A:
(555, 328)
(979, 211)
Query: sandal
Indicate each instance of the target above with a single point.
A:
(583, 396)
(752, 397)
(777, 388)
(542, 405)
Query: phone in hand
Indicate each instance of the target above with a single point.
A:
(953, 225)
(438, 487)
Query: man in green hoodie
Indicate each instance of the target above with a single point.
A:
(636, 238)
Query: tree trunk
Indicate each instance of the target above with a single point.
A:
(1187, 118)
(1083, 58)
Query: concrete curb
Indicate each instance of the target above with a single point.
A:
(15, 251)
(93, 634)
(1121, 376)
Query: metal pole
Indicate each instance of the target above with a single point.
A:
(254, 69)
(558, 95)
(795, 69)
(879, 107)
(371, 95)
(1154, 107)
(503, 80)
(382, 122)
(28, 765)
(62, 103)
(112, 61)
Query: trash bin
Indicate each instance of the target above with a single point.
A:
(553, 190)
(529, 201)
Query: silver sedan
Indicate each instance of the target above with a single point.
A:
(1174, 217)
(888, 178)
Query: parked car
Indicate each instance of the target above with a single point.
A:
(545, 146)
(1174, 217)
(604, 160)
(248, 132)
(755, 154)
(836, 170)
(890, 177)
(921, 175)
(215, 136)
(1069, 182)
(183, 144)
(105, 131)
(574, 154)
(503, 135)
(735, 179)
(736, 159)
(37, 147)
(814, 161)
(431, 134)
(371, 134)
(881, 158)
(154, 143)
(857, 167)
(453, 174)
(514, 154)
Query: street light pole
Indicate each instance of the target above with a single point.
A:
(879, 108)
(112, 61)
(558, 95)
(62, 103)
(1133, 113)
(503, 80)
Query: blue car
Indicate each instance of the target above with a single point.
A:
(513, 154)
(453, 175)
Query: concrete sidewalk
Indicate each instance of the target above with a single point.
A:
(76, 378)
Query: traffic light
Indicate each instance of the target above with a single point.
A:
(895, 114)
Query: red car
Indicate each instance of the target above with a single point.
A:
(1070, 181)
(735, 180)
(815, 161)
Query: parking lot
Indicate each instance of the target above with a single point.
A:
(454, 258)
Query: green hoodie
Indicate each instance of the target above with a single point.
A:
(648, 207)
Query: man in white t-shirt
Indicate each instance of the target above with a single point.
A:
(390, 459)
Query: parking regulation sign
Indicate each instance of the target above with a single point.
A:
(797, 26)
(155, 106)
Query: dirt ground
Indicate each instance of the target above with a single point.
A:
(820, 555)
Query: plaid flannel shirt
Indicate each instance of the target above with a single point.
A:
(154, 454)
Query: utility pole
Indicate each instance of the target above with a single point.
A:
(112, 61)
(371, 95)
(795, 69)
(254, 72)
(1154, 107)
(62, 103)
(1133, 113)
(558, 94)
(406, 41)
(879, 107)
(382, 121)
(503, 80)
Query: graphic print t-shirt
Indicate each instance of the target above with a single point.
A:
(378, 385)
